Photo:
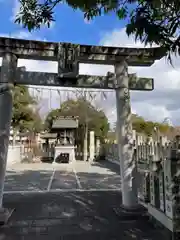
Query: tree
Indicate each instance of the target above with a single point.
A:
(97, 120)
(148, 127)
(151, 21)
(24, 117)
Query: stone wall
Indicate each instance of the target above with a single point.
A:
(14, 154)
(19, 153)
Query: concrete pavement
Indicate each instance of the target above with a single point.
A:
(47, 177)
(82, 207)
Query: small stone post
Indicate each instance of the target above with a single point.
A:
(8, 72)
(91, 146)
(85, 146)
(97, 147)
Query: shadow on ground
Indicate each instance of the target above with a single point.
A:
(72, 215)
(33, 179)
(109, 165)
(69, 215)
(27, 180)
(115, 168)
(99, 181)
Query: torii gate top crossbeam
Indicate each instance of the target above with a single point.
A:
(40, 50)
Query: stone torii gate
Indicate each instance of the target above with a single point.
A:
(68, 57)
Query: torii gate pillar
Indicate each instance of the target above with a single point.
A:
(8, 69)
(125, 138)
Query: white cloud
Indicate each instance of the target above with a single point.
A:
(23, 34)
(119, 38)
(156, 105)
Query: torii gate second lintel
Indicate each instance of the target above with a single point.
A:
(82, 81)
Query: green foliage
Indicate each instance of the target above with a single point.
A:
(87, 114)
(54, 114)
(24, 118)
(111, 136)
(157, 22)
(150, 21)
(33, 14)
(148, 127)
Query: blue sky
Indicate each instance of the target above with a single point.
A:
(69, 26)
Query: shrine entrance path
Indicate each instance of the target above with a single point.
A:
(81, 209)
(40, 177)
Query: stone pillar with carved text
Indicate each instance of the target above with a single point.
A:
(125, 138)
(155, 175)
(91, 146)
(8, 70)
(172, 186)
(163, 141)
